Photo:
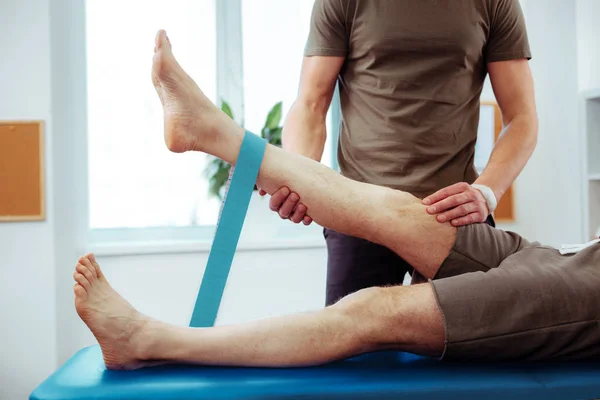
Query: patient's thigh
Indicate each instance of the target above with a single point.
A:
(536, 305)
(480, 247)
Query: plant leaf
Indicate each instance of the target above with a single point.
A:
(212, 166)
(275, 136)
(226, 109)
(218, 181)
(274, 117)
(217, 172)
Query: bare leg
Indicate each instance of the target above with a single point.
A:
(392, 218)
(402, 318)
(372, 319)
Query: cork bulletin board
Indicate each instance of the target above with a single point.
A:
(22, 171)
(505, 211)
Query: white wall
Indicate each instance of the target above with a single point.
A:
(69, 159)
(548, 192)
(588, 43)
(27, 277)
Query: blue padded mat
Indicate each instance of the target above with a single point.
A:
(380, 376)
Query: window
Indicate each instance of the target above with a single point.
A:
(134, 182)
(136, 186)
(485, 136)
(274, 35)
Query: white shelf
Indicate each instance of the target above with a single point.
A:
(590, 124)
(593, 94)
(594, 209)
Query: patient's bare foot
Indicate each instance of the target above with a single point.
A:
(190, 118)
(121, 331)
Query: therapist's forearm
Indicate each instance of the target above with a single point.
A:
(304, 131)
(510, 155)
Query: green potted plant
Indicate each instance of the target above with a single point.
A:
(217, 171)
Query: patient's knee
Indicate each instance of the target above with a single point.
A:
(371, 311)
(357, 302)
(396, 317)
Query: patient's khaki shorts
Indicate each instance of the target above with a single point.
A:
(505, 298)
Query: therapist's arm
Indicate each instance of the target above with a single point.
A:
(513, 87)
(304, 130)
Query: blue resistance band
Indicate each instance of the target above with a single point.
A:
(228, 231)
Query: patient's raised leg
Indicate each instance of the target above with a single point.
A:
(392, 218)
(402, 318)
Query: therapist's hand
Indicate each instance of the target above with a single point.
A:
(287, 204)
(461, 204)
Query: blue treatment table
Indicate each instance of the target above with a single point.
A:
(378, 376)
(381, 376)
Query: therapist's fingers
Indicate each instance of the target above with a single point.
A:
(446, 192)
(278, 198)
(289, 205)
(286, 204)
(298, 214)
(468, 209)
(470, 195)
(449, 203)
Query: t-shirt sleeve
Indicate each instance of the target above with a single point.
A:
(508, 34)
(328, 35)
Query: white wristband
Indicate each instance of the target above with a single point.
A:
(488, 195)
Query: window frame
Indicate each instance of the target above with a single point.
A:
(230, 86)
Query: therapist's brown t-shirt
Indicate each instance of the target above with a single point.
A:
(411, 83)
